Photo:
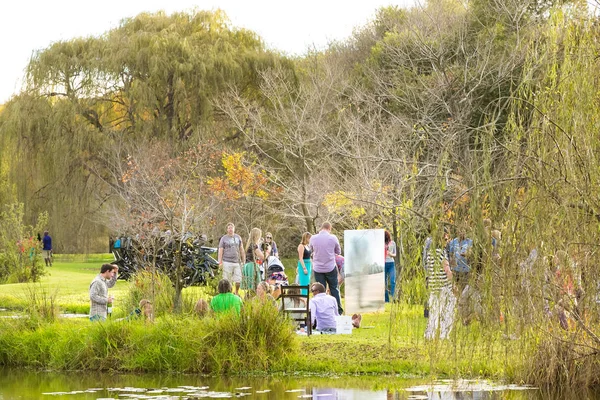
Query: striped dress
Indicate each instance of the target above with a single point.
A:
(436, 276)
(442, 301)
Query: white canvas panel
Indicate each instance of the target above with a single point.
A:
(364, 253)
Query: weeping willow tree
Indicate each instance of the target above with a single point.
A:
(536, 176)
(497, 120)
(153, 78)
(554, 208)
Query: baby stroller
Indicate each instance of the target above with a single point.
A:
(275, 274)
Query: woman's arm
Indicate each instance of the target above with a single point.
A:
(258, 254)
(301, 257)
(446, 266)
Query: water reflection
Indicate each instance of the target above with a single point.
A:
(20, 384)
(470, 390)
(349, 394)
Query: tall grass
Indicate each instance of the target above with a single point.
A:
(255, 341)
(41, 303)
(151, 285)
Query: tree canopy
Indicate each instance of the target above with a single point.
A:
(420, 116)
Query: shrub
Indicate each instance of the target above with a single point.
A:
(257, 340)
(41, 304)
(20, 259)
(154, 286)
(565, 360)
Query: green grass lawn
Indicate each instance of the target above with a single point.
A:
(69, 278)
(68, 281)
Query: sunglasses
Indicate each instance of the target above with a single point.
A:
(269, 237)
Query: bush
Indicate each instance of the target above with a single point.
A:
(154, 286)
(41, 304)
(20, 251)
(258, 338)
(565, 360)
(256, 341)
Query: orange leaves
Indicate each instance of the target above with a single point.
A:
(241, 179)
(130, 170)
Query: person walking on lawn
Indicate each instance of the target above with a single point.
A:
(47, 249)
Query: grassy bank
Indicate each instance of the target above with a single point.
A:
(254, 342)
(389, 342)
(257, 342)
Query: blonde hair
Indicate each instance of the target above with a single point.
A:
(202, 307)
(143, 302)
(293, 290)
(147, 312)
(305, 238)
(266, 287)
(255, 234)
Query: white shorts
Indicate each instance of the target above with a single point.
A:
(232, 272)
(46, 253)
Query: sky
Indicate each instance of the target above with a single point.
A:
(289, 26)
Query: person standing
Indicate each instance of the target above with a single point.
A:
(390, 267)
(255, 256)
(99, 297)
(269, 240)
(340, 261)
(442, 300)
(304, 263)
(325, 246)
(459, 252)
(231, 256)
(47, 249)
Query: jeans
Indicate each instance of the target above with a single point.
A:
(330, 278)
(390, 281)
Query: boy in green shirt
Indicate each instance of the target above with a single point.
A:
(225, 300)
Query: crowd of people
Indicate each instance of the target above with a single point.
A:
(255, 269)
(456, 284)
(252, 267)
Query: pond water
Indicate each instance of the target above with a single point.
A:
(21, 384)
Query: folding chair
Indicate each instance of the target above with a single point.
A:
(302, 314)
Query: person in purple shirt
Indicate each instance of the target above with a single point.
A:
(325, 247)
(47, 249)
(323, 309)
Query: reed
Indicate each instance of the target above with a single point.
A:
(255, 341)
